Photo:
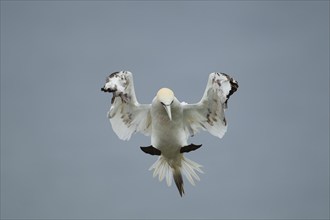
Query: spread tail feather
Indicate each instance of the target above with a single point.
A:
(174, 170)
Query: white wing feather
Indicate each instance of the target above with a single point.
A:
(208, 114)
(126, 115)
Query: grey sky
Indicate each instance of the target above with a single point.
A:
(61, 159)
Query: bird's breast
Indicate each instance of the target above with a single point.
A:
(168, 135)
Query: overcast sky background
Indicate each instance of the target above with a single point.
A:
(61, 159)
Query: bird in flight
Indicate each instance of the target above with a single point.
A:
(169, 122)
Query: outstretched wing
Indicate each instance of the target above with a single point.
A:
(208, 114)
(126, 115)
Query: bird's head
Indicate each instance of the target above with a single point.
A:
(116, 82)
(166, 97)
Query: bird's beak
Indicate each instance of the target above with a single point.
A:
(168, 110)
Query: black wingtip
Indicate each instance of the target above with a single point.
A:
(107, 90)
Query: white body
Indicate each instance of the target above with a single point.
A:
(167, 135)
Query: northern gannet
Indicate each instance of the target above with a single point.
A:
(169, 122)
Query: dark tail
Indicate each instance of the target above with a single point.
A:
(178, 181)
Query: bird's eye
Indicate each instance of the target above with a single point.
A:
(172, 102)
(162, 103)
